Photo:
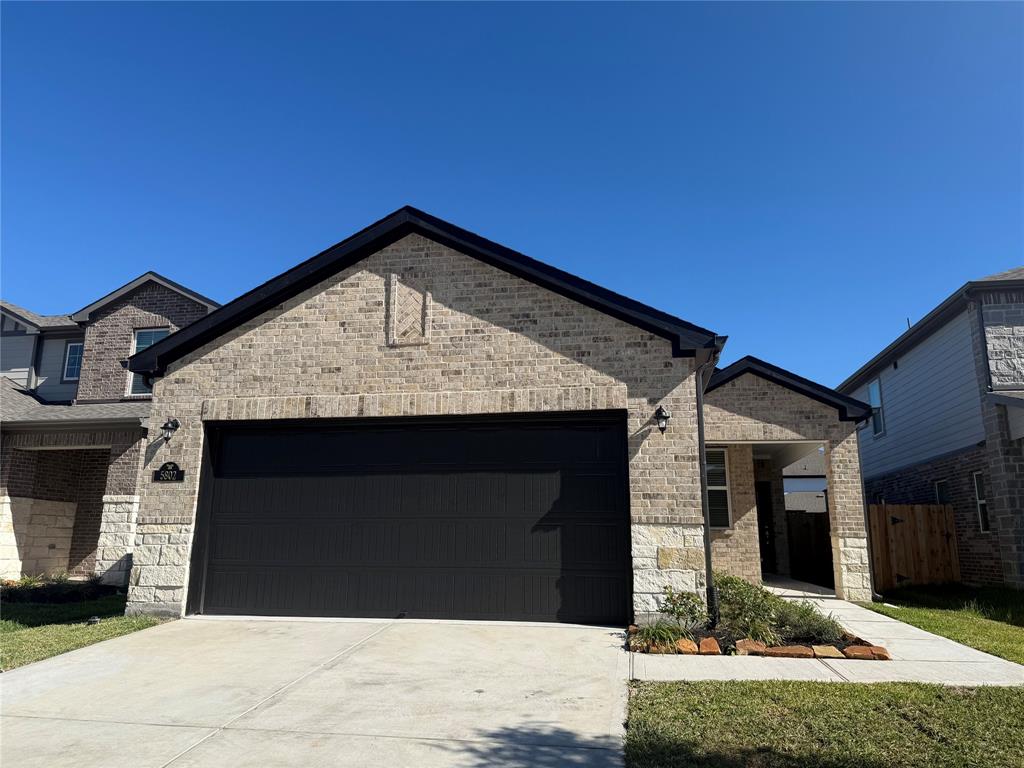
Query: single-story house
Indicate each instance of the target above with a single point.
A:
(421, 422)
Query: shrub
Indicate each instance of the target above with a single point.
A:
(35, 589)
(686, 608)
(802, 622)
(661, 632)
(746, 610)
(754, 612)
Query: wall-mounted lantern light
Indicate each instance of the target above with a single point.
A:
(661, 417)
(169, 428)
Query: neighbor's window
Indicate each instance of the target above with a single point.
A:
(72, 361)
(942, 492)
(875, 399)
(979, 496)
(145, 337)
(718, 488)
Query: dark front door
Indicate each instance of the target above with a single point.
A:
(810, 548)
(475, 518)
(765, 525)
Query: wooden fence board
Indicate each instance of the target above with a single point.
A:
(912, 544)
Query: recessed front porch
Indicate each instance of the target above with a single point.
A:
(760, 419)
(758, 529)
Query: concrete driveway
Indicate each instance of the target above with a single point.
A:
(208, 692)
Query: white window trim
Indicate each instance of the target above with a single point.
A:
(727, 487)
(135, 338)
(978, 502)
(935, 488)
(67, 356)
(881, 408)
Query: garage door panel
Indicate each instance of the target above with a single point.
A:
(527, 520)
(413, 594)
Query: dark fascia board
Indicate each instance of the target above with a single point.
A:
(849, 409)
(75, 425)
(688, 340)
(922, 329)
(83, 315)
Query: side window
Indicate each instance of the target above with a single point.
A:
(875, 400)
(942, 492)
(144, 337)
(979, 497)
(72, 361)
(719, 511)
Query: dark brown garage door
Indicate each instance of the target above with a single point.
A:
(465, 518)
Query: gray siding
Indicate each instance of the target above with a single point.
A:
(931, 403)
(51, 366)
(16, 357)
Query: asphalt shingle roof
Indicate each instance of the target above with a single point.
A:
(18, 406)
(1017, 273)
(39, 321)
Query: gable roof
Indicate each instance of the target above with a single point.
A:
(688, 340)
(849, 409)
(927, 325)
(27, 317)
(83, 315)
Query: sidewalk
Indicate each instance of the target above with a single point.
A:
(917, 656)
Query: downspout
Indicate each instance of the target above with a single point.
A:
(712, 593)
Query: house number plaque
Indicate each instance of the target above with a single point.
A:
(168, 473)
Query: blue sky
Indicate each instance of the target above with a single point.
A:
(802, 178)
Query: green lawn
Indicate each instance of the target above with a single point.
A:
(823, 725)
(33, 631)
(990, 619)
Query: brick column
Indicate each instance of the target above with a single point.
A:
(850, 555)
(117, 539)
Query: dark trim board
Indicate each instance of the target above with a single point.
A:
(687, 339)
(849, 408)
(519, 517)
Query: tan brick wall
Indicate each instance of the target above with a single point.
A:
(752, 409)
(110, 335)
(97, 472)
(736, 550)
(496, 343)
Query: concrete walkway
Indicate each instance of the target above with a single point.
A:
(917, 656)
(208, 693)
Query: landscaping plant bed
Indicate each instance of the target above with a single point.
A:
(721, 643)
(754, 622)
(59, 589)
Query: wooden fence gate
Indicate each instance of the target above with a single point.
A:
(912, 544)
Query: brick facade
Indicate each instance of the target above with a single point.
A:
(978, 551)
(494, 344)
(110, 335)
(750, 409)
(1002, 313)
(737, 550)
(83, 472)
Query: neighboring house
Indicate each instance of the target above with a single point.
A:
(421, 422)
(73, 427)
(948, 403)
